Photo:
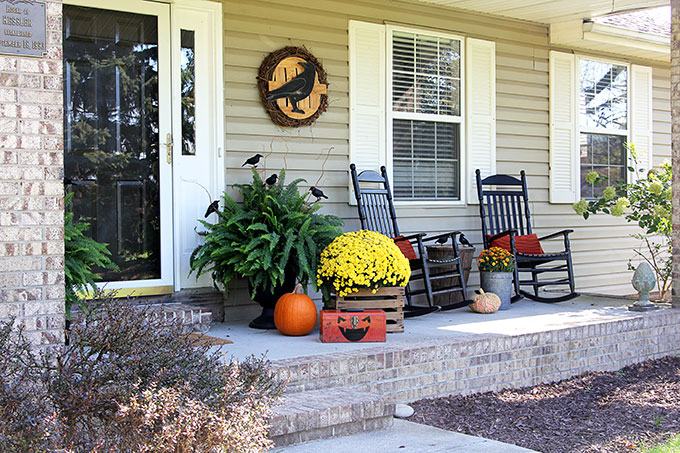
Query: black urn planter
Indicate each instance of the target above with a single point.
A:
(268, 300)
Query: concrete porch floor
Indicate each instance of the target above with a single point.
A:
(524, 317)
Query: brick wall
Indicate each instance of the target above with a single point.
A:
(31, 188)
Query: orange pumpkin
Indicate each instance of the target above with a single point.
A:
(295, 313)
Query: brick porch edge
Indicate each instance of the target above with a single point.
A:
(482, 363)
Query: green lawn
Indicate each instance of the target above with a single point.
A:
(672, 445)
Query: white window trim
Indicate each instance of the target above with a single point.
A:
(595, 130)
(391, 115)
(599, 130)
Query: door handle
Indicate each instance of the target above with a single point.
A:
(168, 147)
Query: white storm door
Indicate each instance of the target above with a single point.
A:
(117, 90)
(197, 101)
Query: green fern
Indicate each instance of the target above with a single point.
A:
(81, 253)
(271, 234)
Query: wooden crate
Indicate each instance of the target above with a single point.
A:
(390, 299)
(337, 326)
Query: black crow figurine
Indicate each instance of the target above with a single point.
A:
(272, 179)
(214, 207)
(463, 240)
(297, 88)
(253, 160)
(317, 193)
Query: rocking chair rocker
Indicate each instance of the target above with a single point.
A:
(377, 213)
(506, 223)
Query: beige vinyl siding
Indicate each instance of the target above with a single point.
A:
(601, 245)
(661, 114)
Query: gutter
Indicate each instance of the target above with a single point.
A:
(622, 36)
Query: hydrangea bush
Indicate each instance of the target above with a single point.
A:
(361, 259)
(646, 201)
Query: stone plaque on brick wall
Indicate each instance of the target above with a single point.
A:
(22, 28)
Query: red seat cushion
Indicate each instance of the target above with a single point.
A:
(527, 244)
(406, 248)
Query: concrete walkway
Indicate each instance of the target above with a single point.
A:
(406, 437)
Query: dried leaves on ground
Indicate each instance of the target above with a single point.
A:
(595, 412)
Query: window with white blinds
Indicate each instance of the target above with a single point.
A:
(425, 115)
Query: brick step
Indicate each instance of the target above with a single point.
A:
(389, 370)
(320, 414)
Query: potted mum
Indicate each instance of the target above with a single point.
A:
(361, 262)
(272, 238)
(496, 267)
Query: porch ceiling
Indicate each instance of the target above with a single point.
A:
(548, 11)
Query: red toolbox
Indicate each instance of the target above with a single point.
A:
(352, 326)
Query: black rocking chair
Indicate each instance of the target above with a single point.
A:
(377, 213)
(506, 218)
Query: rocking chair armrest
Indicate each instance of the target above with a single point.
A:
(559, 233)
(411, 237)
(443, 235)
(500, 235)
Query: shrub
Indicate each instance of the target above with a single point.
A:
(646, 201)
(128, 381)
(25, 416)
(123, 359)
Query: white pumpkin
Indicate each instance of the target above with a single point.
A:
(485, 302)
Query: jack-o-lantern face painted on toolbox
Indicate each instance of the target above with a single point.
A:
(354, 328)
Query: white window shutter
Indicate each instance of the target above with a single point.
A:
(564, 155)
(641, 116)
(480, 80)
(367, 95)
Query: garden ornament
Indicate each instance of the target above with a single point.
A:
(318, 193)
(271, 180)
(643, 281)
(463, 240)
(253, 160)
(214, 207)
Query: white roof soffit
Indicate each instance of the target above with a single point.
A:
(547, 11)
(590, 36)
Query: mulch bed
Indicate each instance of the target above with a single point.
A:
(595, 412)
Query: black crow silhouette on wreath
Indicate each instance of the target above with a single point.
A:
(297, 88)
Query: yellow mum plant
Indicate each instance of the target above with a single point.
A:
(361, 259)
(496, 259)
